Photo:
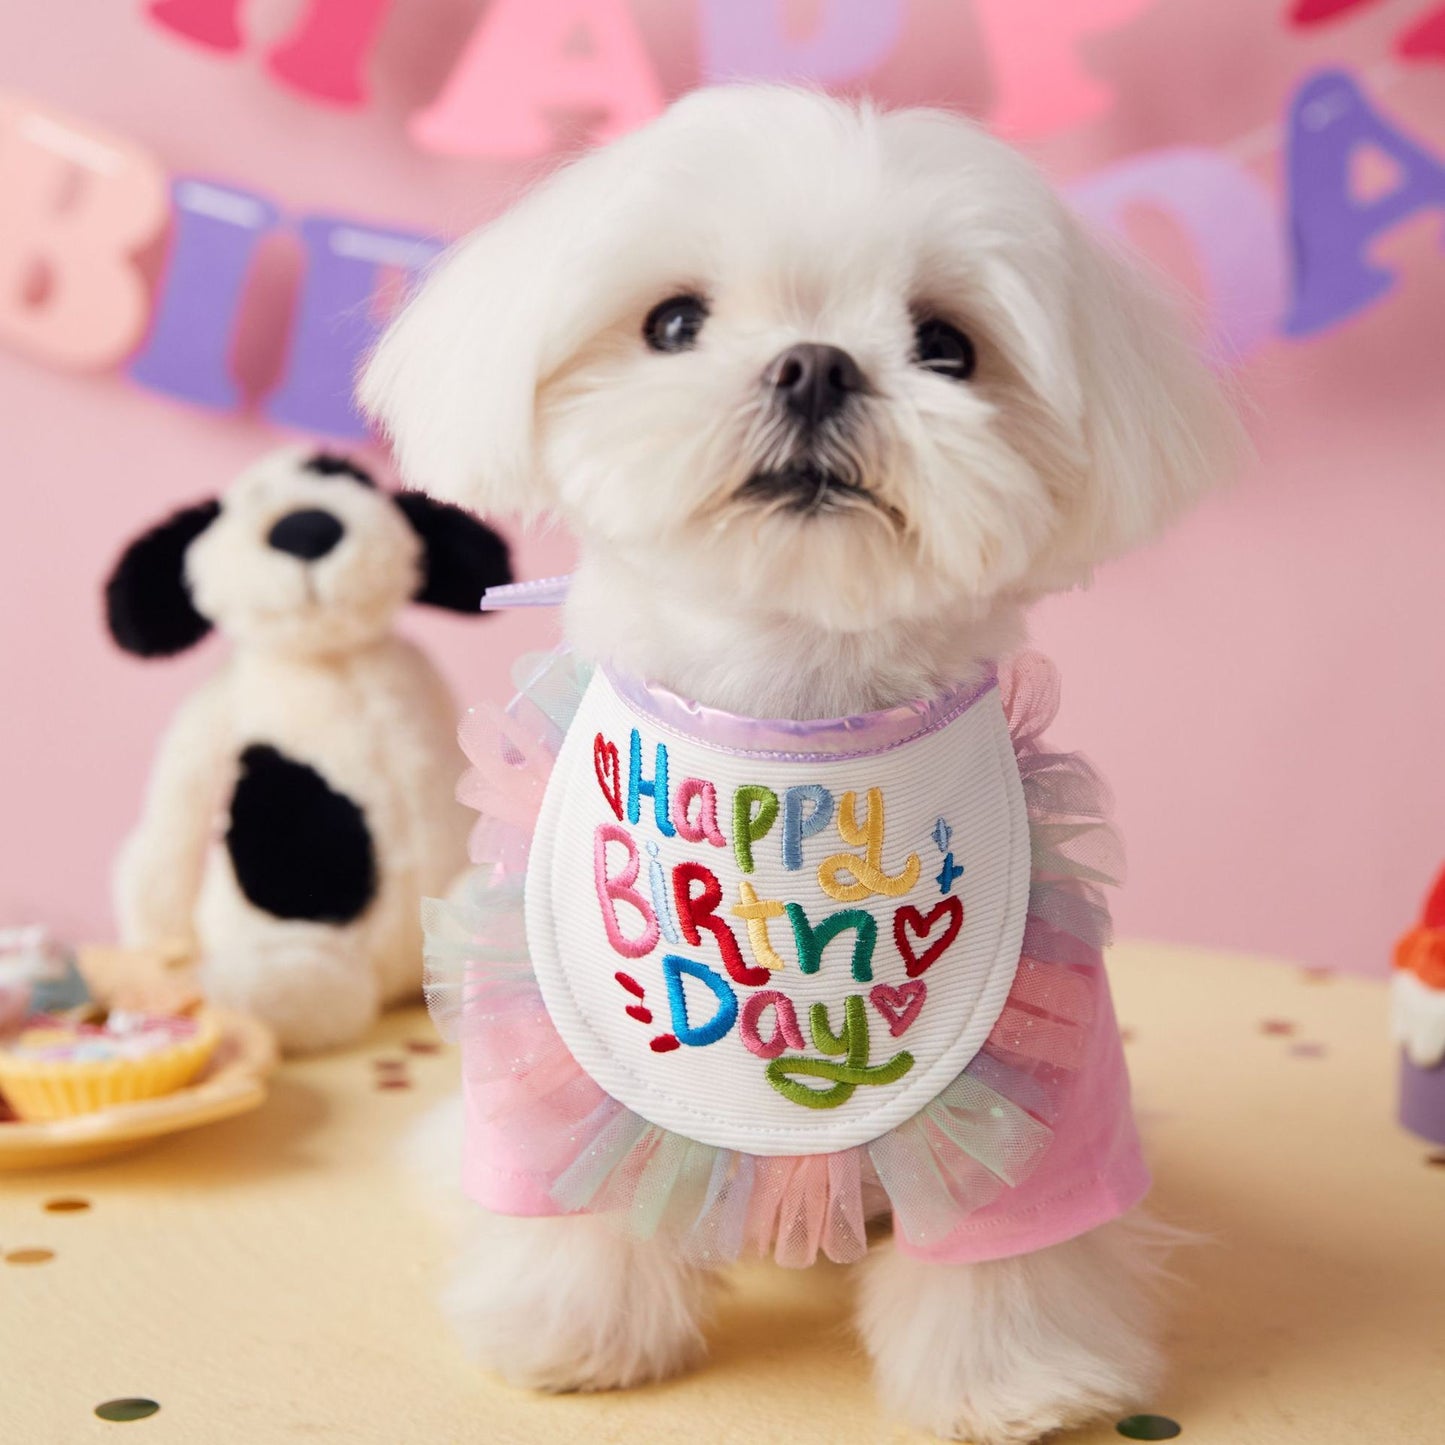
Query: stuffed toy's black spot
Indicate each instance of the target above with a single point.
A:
(299, 848)
(326, 465)
(463, 556)
(148, 605)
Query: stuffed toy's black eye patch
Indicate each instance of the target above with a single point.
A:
(323, 464)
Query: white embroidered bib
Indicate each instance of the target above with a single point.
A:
(778, 938)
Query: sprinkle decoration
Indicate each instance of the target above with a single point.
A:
(1149, 1427)
(67, 1204)
(949, 874)
(1278, 1027)
(130, 1408)
(391, 1073)
(30, 1256)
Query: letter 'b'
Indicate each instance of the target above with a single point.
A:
(78, 205)
(612, 891)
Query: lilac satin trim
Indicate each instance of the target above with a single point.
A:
(785, 739)
(800, 740)
(539, 592)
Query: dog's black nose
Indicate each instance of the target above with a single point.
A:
(308, 535)
(815, 381)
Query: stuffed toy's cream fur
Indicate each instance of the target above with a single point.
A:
(302, 801)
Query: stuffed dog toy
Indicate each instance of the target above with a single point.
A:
(302, 802)
(828, 396)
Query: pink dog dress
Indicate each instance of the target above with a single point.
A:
(744, 983)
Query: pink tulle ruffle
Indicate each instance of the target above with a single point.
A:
(984, 1134)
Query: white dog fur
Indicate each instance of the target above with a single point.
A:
(317, 676)
(519, 380)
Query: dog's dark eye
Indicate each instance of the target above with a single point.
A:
(944, 349)
(673, 325)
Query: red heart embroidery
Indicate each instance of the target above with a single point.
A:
(899, 1006)
(908, 915)
(609, 771)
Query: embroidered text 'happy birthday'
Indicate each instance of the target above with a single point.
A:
(713, 929)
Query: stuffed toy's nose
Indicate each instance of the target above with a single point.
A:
(308, 535)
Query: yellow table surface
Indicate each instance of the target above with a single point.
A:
(271, 1279)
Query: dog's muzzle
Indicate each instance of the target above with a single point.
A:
(803, 487)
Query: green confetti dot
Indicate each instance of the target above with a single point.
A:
(130, 1409)
(1149, 1427)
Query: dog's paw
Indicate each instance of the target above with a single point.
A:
(570, 1304)
(1008, 1351)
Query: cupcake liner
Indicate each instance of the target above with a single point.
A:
(39, 1090)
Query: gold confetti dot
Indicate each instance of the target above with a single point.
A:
(29, 1256)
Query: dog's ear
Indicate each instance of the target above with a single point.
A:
(454, 382)
(461, 556)
(148, 605)
(1159, 424)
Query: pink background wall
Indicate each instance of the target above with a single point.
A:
(1264, 689)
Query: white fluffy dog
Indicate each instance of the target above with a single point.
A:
(828, 397)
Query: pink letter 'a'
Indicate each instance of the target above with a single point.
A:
(528, 57)
(611, 891)
(212, 23)
(78, 205)
(1040, 84)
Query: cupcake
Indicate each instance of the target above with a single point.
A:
(1417, 1015)
(37, 975)
(55, 1068)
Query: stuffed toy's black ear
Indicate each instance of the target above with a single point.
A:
(147, 603)
(463, 556)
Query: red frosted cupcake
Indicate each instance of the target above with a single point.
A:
(1417, 1016)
